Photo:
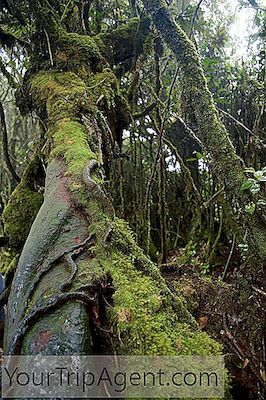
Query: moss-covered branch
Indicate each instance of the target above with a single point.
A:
(146, 317)
(114, 46)
(126, 41)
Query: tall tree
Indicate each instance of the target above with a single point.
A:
(199, 110)
(82, 284)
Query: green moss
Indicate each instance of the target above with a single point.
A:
(76, 50)
(20, 213)
(128, 30)
(146, 317)
(145, 321)
(61, 93)
(64, 94)
(23, 205)
(8, 261)
(124, 42)
(70, 142)
(103, 84)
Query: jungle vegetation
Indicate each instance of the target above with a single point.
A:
(133, 170)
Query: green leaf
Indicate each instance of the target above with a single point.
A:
(250, 208)
(255, 188)
(199, 155)
(246, 185)
(12, 63)
(250, 170)
(258, 175)
(261, 202)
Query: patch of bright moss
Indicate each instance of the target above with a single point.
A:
(79, 50)
(61, 93)
(146, 323)
(20, 213)
(147, 318)
(104, 84)
(70, 142)
(22, 208)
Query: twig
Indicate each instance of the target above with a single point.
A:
(65, 10)
(158, 100)
(189, 130)
(5, 294)
(217, 239)
(5, 144)
(229, 259)
(258, 119)
(263, 348)
(97, 84)
(147, 110)
(207, 203)
(254, 4)
(160, 140)
(257, 290)
(49, 47)
(8, 75)
(185, 170)
(235, 120)
(240, 353)
(230, 336)
(194, 18)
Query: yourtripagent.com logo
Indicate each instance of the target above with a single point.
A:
(112, 376)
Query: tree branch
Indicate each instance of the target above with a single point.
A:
(194, 18)
(8, 76)
(235, 120)
(5, 144)
(124, 42)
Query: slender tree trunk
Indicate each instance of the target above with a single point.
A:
(199, 110)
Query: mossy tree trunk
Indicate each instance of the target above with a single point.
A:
(82, 284)
(199, 110)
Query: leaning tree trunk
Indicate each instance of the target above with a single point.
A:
(82, 284)
(199, 110)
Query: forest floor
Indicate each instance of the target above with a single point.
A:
(231, 311)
